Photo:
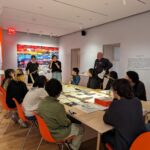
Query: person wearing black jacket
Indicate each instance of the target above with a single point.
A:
(101, 67)
(102, 64)
(125, 115)
(94, 81)
(55, 66)
(32, 69)
(137, 86)
(16, 89)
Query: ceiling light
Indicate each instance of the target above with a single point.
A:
(124, 2)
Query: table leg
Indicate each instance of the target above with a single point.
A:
(98, 141)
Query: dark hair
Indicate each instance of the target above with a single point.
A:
(8, 72)
(133, 76)
(40, 81)
(33, 56)
(53, 87)
(54, 56)
(92, 71)
(114, 75)
(123, 88)
(76, 70)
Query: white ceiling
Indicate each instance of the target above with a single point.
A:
(61, 17)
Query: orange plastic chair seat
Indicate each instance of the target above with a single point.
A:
(45, 133)
(20, 111)
(3, 99)
(142, 142)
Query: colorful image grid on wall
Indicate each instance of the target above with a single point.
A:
(42, 53)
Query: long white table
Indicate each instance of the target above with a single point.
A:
(94, 120)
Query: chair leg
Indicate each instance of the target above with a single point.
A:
(7, 127)
(27, 135)
(36, 124)
(67, 145)
(1, 109)
(2, 119)
(39, 144)
(61, 146)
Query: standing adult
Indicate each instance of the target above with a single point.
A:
(32, 69)
(55, 66)
(102, 66)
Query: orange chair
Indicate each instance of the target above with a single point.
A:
(46, 135)
(2, 95)
(24, 119)
(2, 90)
(3, 99)
(142, 142)
(4, 105)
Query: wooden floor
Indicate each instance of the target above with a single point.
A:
(15, 135)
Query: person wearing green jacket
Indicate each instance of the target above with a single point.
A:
(55, 116)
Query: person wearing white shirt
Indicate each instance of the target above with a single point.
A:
(34, 97)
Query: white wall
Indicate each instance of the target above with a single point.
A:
(10, 45)
(132, 33)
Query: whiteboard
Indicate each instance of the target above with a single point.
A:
(139, 63)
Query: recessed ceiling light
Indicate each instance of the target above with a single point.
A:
(124, 2)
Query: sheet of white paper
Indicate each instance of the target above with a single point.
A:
(89, 107)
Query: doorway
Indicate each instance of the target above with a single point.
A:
(112, 52)
(75, 58)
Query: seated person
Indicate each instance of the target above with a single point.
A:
(94, 81)
(34, 96)
(112, 76)
(16, 89)
(20, 68)
(9, 75)
(75, 76)
(55, 116)
(138, 86)
(125, 115)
